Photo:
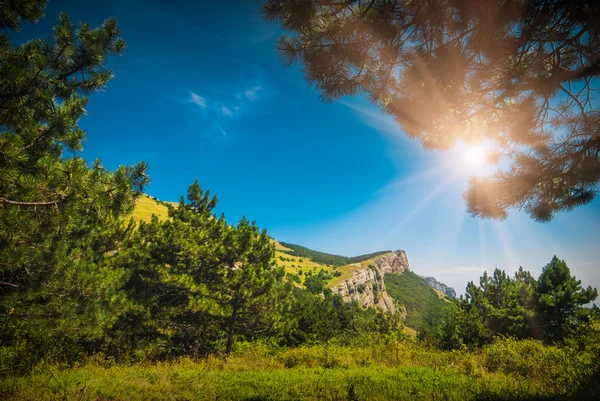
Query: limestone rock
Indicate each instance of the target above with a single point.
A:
(449, 291)
(366, 285)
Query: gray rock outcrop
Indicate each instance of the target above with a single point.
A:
(448, 291)
(366, 285)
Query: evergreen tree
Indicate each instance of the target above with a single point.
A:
(522, 74)
(520, 307)
(253, 295)
(60, 219)
(558, 298)
(196, 284)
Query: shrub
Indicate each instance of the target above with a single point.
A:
(529, 359)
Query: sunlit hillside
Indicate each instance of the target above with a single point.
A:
(146, 206)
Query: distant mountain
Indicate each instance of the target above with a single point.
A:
(448, 291)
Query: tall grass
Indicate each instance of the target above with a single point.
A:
(508, 370)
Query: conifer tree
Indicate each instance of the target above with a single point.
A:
(196, 284)
(60, 219)
(558, 296)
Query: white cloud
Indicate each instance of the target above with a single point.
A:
(199, 100)
(226, 111)
(252, 92)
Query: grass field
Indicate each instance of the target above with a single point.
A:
(397, 371)
(293, 264)
(145, 207)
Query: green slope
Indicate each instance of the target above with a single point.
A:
(423, 304)
(327, 258)
(145, 207)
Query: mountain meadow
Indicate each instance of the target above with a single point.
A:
(107, 293)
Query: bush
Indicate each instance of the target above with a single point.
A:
(529, 359)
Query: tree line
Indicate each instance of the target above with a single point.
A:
(551, 308)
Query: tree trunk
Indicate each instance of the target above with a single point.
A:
(230, 330)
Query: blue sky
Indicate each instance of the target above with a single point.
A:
(200, 94)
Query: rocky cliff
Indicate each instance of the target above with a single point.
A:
(366, 286)
(449, 291)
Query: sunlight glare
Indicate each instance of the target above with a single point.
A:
(473, 159)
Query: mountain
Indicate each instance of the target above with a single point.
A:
(364, 281)
(424, 305)
(448, 291)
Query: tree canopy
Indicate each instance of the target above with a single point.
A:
(549, 308)
(522, 74)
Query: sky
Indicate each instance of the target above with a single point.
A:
(200, 94)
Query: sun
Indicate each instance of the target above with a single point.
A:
(473, 159)
(474, 156)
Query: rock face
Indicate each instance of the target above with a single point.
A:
(366, 284)
(449, 291)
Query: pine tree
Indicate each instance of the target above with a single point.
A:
(60, 219)
(558, 297)
(196, 284)
(522, 74)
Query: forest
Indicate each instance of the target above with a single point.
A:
(97, 305)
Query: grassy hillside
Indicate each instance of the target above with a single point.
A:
(301, 267)
(327, 258)
(145, 207)
(424, 305)
(318, 257)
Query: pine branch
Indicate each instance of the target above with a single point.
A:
(49, 203)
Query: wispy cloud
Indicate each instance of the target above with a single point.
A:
(199, 100)
(226, 111)
(252, 93)
(220, 106)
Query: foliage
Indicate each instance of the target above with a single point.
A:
(197, 284)
(321, 319)
(558, 296)
(423, 305)
(315, 283)
(383, 369)
(550, 308)
(521, 74)
(60, 219)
